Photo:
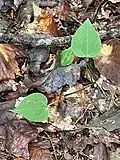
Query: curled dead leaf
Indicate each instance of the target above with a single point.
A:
(46, 23)
(109, 64)
(8, 65)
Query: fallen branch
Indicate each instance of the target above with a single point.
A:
(46, 40)
(36, 40)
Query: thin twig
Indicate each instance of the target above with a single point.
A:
(85, 155)
(69, 94)
(79, 118)
(76, 157)
(78, 90)
(75, 19)
(52, 145)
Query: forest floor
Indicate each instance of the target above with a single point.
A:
(83, 100)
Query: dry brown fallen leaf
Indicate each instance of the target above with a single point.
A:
(8, 65)
(16, 135)
(46, 23)
(37, 153)
(109, 64)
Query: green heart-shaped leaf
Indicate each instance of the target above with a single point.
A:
(86, 41)
(34, 107)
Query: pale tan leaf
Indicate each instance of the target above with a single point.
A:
(106, 49)
(8, 65)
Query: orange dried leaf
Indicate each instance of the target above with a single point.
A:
(8, 64)
(109, 64)
(46, 23)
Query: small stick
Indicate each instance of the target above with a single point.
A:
(79, 118)
(52, 145)
(69, 94)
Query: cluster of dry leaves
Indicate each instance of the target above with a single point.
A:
(66, 136)
(45, 24)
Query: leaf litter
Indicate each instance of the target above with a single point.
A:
(84, 110)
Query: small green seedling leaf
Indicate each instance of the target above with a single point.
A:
(86, 41)
(33, 107)
(67, 57)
